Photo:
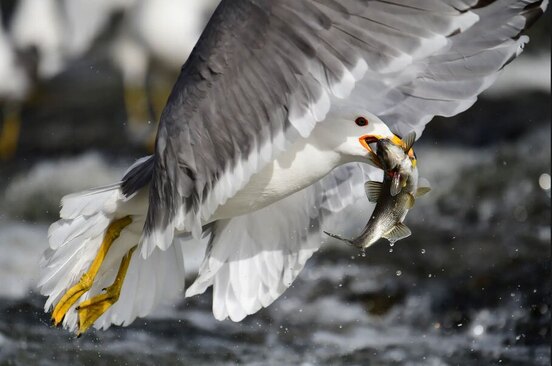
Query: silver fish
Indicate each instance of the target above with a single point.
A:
(394, 196)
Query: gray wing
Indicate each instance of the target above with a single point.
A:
(265, 72)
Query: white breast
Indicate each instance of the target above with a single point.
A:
(300, 166)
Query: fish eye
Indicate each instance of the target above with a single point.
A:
(361, 121)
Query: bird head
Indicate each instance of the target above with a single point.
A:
(352, 134)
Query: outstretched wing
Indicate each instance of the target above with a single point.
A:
(264, 72)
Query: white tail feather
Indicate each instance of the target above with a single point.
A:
(74, 243)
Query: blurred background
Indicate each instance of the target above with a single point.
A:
(82, 84)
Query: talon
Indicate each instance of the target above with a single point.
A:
(85, 283)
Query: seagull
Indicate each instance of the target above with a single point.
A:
(263, 138)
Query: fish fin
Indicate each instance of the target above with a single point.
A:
(409, 141)
(396, 184)
(411, 200)
(422, 190)
(398, 232)
(423, 187)
(373, 190)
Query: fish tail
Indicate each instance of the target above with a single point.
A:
(339, 238)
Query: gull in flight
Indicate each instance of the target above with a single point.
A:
(263, 138)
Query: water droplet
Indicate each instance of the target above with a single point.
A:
(363, 253)
(478, 330)
(545, 181)
(423, 251)
(399, 273)
(391, 243)
(391, 250)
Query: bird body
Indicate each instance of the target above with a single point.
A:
(263, 138)
(303, 163)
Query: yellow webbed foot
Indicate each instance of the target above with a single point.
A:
(74, 293)
(90, 310)
(70, 298)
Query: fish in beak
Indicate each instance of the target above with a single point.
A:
(365, 141)
(395, 195)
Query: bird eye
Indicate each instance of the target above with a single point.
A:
(361, 121)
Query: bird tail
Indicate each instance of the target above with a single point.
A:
(89, 220)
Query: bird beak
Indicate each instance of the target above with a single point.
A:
(365, 141)
(399, 142)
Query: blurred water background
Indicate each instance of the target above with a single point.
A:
(78, 103)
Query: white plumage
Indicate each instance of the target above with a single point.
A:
(75, 240)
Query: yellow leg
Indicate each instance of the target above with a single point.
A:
(90, 310)
(87, 279)
(9, 133)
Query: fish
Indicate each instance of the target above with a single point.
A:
(395, 195)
